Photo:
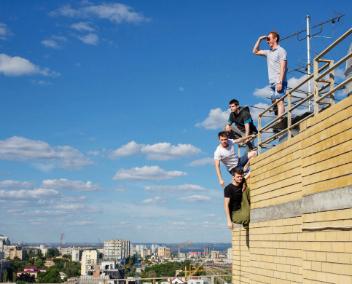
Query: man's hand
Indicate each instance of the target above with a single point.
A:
(228, 127)
(229, 225)
(222, 183)
(278, 87)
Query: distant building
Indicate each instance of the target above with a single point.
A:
(4, 241)
(116, 249)
(13, 251)
(88, 262)
(348, 73)
(164, 252)
(31, 270)
(4, 265)
(75, 254)
(43, 250)
(65, 251)
(214, 254)
(229, 254)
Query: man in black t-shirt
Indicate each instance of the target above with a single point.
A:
(237, 200)
(243, 123)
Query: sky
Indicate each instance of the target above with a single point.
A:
(110, 110)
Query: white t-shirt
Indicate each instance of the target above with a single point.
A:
(227, 155)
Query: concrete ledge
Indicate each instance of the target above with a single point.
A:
(323, 201)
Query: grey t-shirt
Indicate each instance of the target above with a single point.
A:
(273, 58)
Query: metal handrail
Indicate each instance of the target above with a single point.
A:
(317, 94)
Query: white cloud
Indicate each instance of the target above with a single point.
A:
(216, 119)
(153, 200)
(158, 151)
(202, 162)
(113, 12)
(91, 39)
(28, 194)
(54, 42)
(175, 188)
(19, 66)
(82, 27)
(4, 31)
(14, 184)
(64, 183)
(23, 149)
(146, 173)
(195, 198)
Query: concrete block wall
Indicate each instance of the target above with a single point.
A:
(301, 211)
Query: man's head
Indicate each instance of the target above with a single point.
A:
(234, 105)
(223, 138)
(237, 175)
(273, 39)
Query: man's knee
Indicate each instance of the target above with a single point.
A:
(252, 154)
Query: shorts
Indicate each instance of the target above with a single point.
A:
(275, 95)
(242, 161)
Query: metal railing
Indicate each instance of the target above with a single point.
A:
(323, 78)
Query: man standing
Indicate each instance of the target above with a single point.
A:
(276, 58)
(237, 200)
(225, 152)
(244, 126)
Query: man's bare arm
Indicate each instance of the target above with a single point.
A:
(283, 65)
(218, 172)
(227, 212)
(247, 128)
(256, 48)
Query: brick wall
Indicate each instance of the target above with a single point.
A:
(301, 216)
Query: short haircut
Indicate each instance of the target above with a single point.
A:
(234, 101)
(223, 134)
(275, 34)
(237, 170)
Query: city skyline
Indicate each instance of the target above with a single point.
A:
(110, 111)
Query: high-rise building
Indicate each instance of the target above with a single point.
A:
(116, 249)
(75, 254)
(4, 241)
(13, 251)
(89, 260)
(164, 252)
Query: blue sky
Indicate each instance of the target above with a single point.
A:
(109, 111)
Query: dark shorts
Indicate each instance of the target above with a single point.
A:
(242, 161)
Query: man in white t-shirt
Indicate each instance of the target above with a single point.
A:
(225, 152)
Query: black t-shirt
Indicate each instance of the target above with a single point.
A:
(235, 194)
(241, 118)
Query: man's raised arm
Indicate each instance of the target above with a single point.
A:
(256, 49)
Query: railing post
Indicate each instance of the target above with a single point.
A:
(316, 85)
(289, 115)
(332, 82)
(259, 133)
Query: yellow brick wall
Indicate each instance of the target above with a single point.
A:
(314, 247)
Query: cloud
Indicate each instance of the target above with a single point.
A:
(153, 200)
(91, 39)
(175, 188)
(114, 12)
(75, 185)
(216, 119)
(28, 194)
(257, 109)
(82, 27)
(202, 162)
(19, 66)
(4, 31)
(24, 149)
(146, 173)
(195, 198)
(158, 151)
(54, 42)
(13, 184)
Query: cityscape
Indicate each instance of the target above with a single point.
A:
(115, 261)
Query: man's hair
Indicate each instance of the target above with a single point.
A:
(223, 134)
(234, 101)
(237, 170)
(275, 34)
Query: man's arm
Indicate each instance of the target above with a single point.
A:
(227, 212)
(283, 66)
(256, 49)
(218, 172)
(247, 128)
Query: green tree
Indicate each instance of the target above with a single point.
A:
(52, 252)
(51, 276)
